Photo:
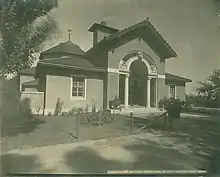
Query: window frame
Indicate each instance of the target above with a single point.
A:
(71, 88)
(174, 91)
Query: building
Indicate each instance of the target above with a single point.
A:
(128, 63)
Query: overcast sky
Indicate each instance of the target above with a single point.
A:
(191, 27)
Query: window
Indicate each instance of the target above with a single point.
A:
(172, 91)
(78, 87)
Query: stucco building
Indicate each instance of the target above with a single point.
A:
(128, 63)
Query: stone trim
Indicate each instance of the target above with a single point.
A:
(113, 70)
(160, 76)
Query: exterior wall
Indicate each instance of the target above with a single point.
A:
(136, 44)
(161, 89)
(24, 79)
(60, 87)
(114, 58)
(29, 89)
(179, 87)
(113, 86)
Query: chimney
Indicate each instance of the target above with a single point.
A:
(100, 31)
(103, 23)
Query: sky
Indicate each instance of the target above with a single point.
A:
(191, 27)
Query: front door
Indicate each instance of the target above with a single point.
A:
(137, 91)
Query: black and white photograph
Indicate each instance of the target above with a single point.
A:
(110, 87)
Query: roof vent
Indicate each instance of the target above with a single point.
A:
(103, 23)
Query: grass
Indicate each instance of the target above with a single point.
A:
(49, 130)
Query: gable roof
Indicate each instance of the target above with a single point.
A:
(66, 47)
(143, 29)
(28, 71)
(173, 77)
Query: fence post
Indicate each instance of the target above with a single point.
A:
(77, 127)
(132, 121)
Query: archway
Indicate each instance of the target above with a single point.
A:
(138, 80)
(138, 83)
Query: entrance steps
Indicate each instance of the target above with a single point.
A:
(141, 111)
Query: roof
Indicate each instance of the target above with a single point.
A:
(143, 29)
(66, 47)
(176, 78)
(76, 62)
(31, 83)
(28, 71)
(96, 26)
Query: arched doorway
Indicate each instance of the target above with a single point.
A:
(138, 80)
(138, 83)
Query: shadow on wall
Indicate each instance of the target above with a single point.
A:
(24, 122)
(15, 163)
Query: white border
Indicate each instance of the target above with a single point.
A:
(85, 86)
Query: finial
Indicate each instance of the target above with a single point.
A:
(69, 34)
(147, 19)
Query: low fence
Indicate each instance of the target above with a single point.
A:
(33, 100)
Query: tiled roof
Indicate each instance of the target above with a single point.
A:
(77, 62)
(143, 29)
(28, 71)
(66, 47)
(31, 83)
(176, 78)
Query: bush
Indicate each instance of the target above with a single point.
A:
(163, 103)
(58, 108)
(115, 103)
(96, 118)
(173, 106)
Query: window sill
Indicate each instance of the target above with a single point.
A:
(77, 98)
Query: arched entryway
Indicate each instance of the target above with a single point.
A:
(138, 84)
(138, 81)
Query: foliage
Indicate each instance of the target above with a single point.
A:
(208, 111)
(58, 108)
(91, 118)
(96, 118)
(115, 103)
(209, 90)
(172, 106)
(26, 26)
(163, 103)
(25, 108)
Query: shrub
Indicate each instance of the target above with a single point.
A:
(173, 106)
(163, 103)
(58, 108)
(96, 118)
(115, 103)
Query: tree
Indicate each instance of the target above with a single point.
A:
(209, 90)
(26, 26)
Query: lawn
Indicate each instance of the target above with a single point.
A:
(202, 134)
(49, 130)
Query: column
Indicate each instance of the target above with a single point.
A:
(126, 89)
(156, 92)
(148, 91)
